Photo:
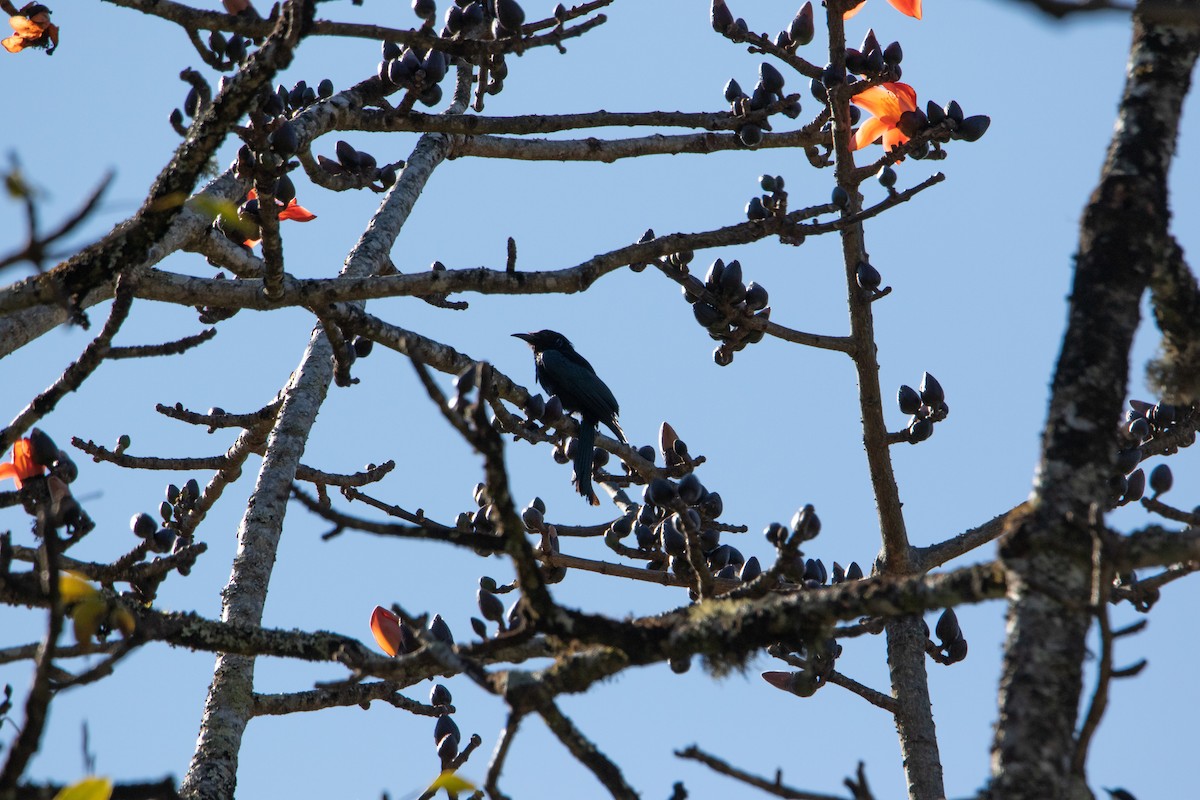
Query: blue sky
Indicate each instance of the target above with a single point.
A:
(979, 265)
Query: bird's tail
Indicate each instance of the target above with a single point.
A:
(584, 449)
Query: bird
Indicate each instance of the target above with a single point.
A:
(562, 371)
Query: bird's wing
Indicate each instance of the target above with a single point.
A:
(579, 388)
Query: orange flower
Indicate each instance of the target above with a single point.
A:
(292, 211)
(33, 28)
(910, 7)
(886, 103)
(386, 627)
(22, 465)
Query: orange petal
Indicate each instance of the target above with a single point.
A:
(386, 627)
(296, 212)
(22, 465)
(906, 94)
(893, 139)
(880, 102)
(252, 195)
(868, 132)
(854, 10)
(910, 7)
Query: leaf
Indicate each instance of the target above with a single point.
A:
(87, 789)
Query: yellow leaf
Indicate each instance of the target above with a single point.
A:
(452, 782)
(72, 588)
(87, 789)
(122, 619)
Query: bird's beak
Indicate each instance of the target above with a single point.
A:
(525, 337)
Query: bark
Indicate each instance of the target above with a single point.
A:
(1048, 550)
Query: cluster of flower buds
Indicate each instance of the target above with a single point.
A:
(360, 166)
(446, 736)
(767, 91)
(407, 69)
(873, 61)
(483, 519)
(818, 659)
(32, 458)
(722, 304)
(952, 646)
(1172, 426)
(942, 124)
(773, 201)
(925, 406)
(164, 537)
(503, 18)
(228, 53)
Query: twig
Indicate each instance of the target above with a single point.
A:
(775, 787)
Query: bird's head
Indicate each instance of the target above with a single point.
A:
(545, 340)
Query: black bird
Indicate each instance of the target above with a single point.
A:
(563, 372)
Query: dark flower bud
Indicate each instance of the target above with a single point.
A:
(813, 571)
(712, 278)
(646, 452)
(817, 88)
(692, 288)
(775, 533)
(535, 406)
(856, 61)
(750, 135)
(680, 665)
(719, 558)
(1135, 487)
(143, 525)
(954, 111)
(1139, 428)
(490, 606)
(919, 430)
(854, 572)
(363, 346)
(831, 76)
(867, 276)
(164, 539)
(425, 9)
(645, 536)
(1161, 479)
(661, 492)
(532, 518)
(911, 123)
(875, 61)
(283, 140)
(397, 72)
(756, 297)
(165, 511)
(391, 51)
(869, 41)
(770, 77)
(908, 400)
(712, 506)
(445, 726)
(805, 523)
(957, 651)
(728, 572)
(439, 695)
(439, 630)
(750, 570)
(733, 91)
(673, 542)
(973, 128)
(934, 113)
(296, 95)
(347, 156)
(931, 391)
(767, 182)
(285, 189)
(325, 89)
(1128, 459)
(839, 197)
(1162, 415)
(172, 493)
(893, 54)
(947, 629)
(431, 96)
(887, 176)
(720, 16)
(554, 409)
(801, 28)
(755, 210)
(510, 14)
(472, 14)
(690, 488)
(710, 538)
(447, 747)
(839, 574)
(44, 450)
(706, 314)
(434, 66)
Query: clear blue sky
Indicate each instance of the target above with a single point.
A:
(979, 266)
